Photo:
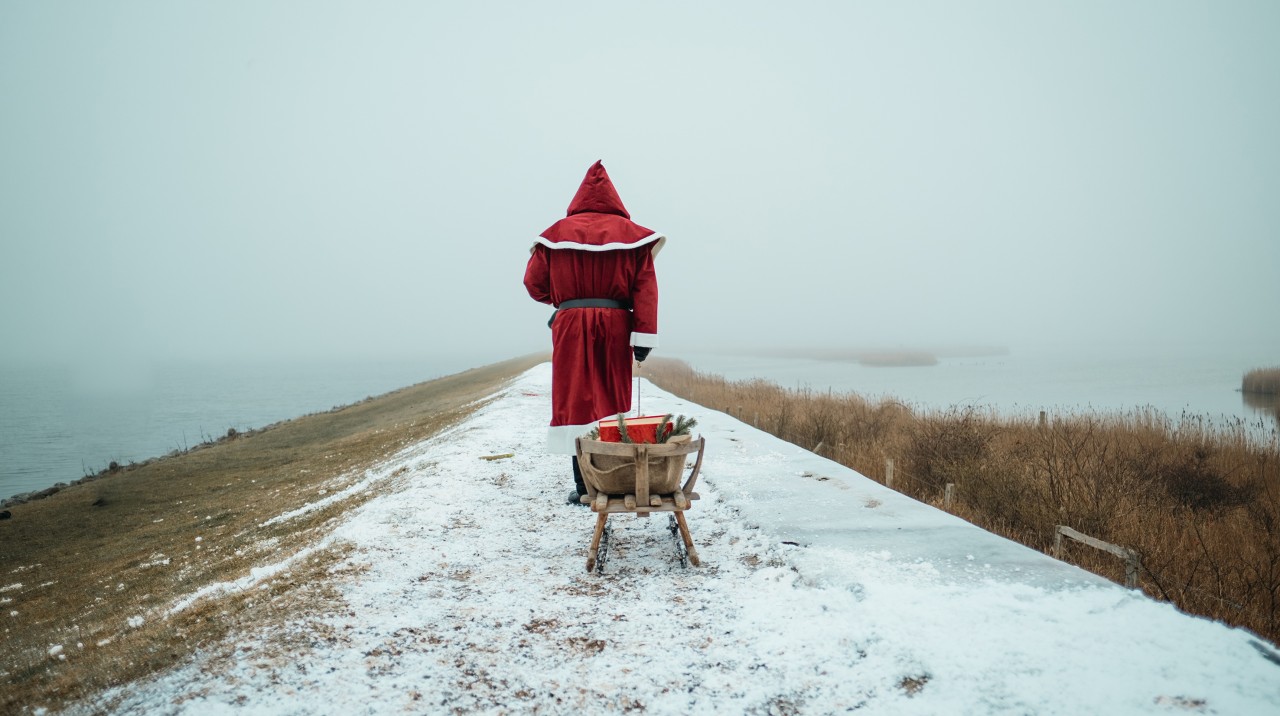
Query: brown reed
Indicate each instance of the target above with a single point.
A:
(1264, 381)
(1198, 500)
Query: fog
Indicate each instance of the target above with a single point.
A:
(244, 180)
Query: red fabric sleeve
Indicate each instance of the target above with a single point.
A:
(644, 298)
(537, 276)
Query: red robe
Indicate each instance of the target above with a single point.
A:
(594, 252)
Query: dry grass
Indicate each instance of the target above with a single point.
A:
(1264, 381)
(77, 567)
(1199, 502)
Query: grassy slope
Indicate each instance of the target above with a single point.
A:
(99, 553)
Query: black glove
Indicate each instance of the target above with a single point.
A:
(640, 352)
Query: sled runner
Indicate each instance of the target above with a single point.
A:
(640, 479)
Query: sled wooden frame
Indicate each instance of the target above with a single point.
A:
(640, 502)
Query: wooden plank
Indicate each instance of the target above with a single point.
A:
(1132, 561)
(1115, 549)
(617, 505)
(599, 447)
(621, 499)
(642, 474)
(602, 500)
(655, 501)
(629, 501)
(681, 502)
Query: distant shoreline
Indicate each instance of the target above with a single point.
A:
(886, 357)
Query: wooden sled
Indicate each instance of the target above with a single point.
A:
(619, 478)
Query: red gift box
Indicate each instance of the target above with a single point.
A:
(643, 429)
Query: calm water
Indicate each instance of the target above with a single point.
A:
(57, 423)
(1201, 383)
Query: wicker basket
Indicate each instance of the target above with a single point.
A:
(617, 475)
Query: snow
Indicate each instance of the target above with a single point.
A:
(157, 559)
(467, 592)
(370, 477)
(255, 577)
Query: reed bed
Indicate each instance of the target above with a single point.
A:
(1198, 501)
(1263, 381)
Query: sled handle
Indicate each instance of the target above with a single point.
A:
(693, 476)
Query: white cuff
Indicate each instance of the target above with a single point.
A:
(644, 340)
(562, 439)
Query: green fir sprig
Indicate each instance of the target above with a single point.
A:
(680, 425)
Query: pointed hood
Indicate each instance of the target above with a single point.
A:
(597, 220)
(596, 194)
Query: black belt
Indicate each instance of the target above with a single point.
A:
(588, 303)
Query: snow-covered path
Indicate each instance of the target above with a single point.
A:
(472, 597)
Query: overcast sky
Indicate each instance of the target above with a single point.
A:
(364, 179)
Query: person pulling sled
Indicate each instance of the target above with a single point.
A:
(595, 266)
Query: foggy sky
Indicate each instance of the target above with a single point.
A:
(280, 179)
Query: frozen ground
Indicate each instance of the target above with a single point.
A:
(820, 592)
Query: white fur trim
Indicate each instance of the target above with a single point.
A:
(644, 340)
(658, 240)
(561, 439)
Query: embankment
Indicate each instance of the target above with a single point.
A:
(81, 570)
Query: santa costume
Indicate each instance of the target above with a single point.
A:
(596, 267)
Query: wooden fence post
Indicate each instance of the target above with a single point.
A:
(1132, 560)
(888, 473)
(949, 495)
(1132, 565)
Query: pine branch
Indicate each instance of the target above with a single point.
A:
(684, 424)
(622, 429)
